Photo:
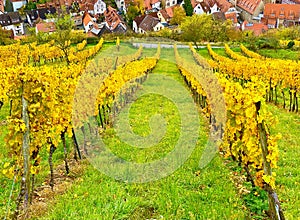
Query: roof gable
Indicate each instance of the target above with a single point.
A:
(148, 23)
(282, 11)
(249, 5)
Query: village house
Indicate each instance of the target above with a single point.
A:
(147, 23)
(39, 14)
(276, 15)
(88, 22)
(210, 6)
(45, 27)
(170, 3)
(114, 21)
(250, 9)
(232, 14)
(12, 21)
(256, 28)
(163, 16)
(18, 4)
(99, 7)
(152, 5)
(77, 19)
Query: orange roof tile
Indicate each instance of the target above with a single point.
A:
(86, 19)
(282, 11)
(231, 16)
(224, 5)
(112, 18)
(248, 5)
(256, 28)
(170, 11)
(45, 27)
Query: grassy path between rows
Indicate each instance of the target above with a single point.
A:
(188, 193)
(288, 172)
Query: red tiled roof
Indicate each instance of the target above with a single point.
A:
(45, 27)
(248, 5)
(170, 11)
(231, 16)
(148, 3)
(282, 11)
(149, 23)
(164, 14)
(256, 28)
(112, 18)
(138, 20)
(86, 19)
(224, 5)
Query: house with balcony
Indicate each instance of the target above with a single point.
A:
(12, 21)
(276, 15)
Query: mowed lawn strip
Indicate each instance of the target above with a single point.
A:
(188, 193)
(288, 172)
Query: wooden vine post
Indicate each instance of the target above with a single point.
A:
(25, 181)
(275, 210)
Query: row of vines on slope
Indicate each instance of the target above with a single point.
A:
(281, 76)
(40, 100)
(115, 92)
(246, 137)
(34, 54)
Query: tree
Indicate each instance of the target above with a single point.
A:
(197, 28)
(132, 12)
(63, 34)
(140, 4)
(5, 36)
(219, 32)
(179, 16)
(188, 8)
(8, 6)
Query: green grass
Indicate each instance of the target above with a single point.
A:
(280, 53)
(288, 172)
(188, 193)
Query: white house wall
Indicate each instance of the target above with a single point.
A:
(99, 7)
(17, 5)
(17, 29)
(198, 10)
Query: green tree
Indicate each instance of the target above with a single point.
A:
(188, 7)
(178, 16)
(219, 32)
(63, 34)
(30, 5)
(8, 6)
(5, 37)
(132, 12)
(197, 28)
